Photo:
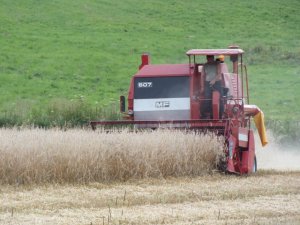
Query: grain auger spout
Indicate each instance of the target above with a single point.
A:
(258, 117)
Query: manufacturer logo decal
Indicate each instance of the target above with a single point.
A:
(162, 104)
(144, 84)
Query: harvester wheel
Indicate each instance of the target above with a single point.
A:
(222, 164)
(254, 169)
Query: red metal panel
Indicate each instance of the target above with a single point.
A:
(130, 95)
(195, 109)
(164, 70)
(180, 123)
(231, 154)
(236, 85)
(243, 137)
(195, 95)
(248, 155)
(215, 104)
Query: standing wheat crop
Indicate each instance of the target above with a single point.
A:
(72, 156)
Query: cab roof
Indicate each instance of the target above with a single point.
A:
(230, 51)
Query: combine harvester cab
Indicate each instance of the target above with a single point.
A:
(178, 96)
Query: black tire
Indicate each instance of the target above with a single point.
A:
(222, 164)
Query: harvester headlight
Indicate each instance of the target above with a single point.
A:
(130, 112)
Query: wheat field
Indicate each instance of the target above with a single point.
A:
(39, 156)
(94, 178)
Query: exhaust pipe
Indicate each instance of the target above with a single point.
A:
(145, 57)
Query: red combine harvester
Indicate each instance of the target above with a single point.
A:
(180, 96)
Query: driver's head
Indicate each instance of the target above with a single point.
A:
(210, 58)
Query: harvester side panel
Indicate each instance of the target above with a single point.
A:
(195, 84)
(236, 85)
(248, 154)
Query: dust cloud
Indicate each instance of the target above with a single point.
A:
(277, 156)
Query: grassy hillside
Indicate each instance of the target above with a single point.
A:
(58, 52)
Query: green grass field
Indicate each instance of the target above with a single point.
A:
(54, 53)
